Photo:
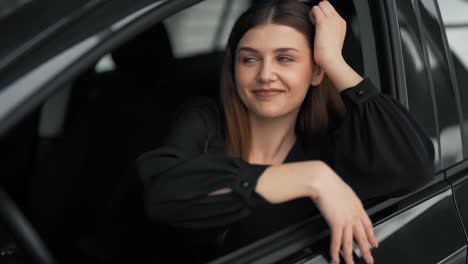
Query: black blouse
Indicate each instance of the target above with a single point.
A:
(378, 149)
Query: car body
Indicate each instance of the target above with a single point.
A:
(67, 152)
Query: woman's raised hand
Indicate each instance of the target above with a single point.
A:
(345, 215)
(330, 31)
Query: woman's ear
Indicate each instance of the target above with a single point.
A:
(317, 75)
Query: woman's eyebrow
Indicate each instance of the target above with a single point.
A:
(286, 49)
(278, 50)
(245, 48)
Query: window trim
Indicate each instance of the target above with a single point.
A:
(367, 41)
(397, 52)
(385, 46)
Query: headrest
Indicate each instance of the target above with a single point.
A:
(147, 55)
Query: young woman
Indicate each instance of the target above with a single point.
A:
(297, 130)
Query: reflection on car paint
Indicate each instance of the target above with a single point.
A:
(389, 227)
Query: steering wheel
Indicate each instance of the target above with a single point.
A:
(22, 231)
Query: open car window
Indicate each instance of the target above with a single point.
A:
(198, 36)
(144, 75)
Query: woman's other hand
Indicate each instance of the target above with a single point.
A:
(337, 202)
(345, 215)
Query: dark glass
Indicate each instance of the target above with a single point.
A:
(455, 18)
(420, 99)
(447, 113)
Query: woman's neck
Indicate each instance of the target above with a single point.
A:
(271, 139)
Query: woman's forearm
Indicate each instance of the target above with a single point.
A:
(289, 181)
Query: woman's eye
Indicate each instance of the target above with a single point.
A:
(248, 60)
(284, 59)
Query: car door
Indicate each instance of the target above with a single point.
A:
(422, 227)
(454, 25)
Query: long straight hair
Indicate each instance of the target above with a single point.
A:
(321, 106)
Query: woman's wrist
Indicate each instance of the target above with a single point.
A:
(314, 179)
(341, 74)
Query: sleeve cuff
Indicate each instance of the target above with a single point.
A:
(360, 93)
(246, 182)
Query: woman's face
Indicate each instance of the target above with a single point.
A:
(273, 70)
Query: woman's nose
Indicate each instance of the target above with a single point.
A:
(267, 73)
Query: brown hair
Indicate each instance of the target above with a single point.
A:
(321, 105)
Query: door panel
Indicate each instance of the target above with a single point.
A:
(416, 236)
(458, 175)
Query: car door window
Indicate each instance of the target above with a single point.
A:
(420, 95)
(454, 15)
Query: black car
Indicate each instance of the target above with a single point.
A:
(86, 86)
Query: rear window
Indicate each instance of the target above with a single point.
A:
(204, 27)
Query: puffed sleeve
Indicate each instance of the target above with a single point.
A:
(380, 150)
(179, 176)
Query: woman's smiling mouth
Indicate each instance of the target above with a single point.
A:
(267, 93)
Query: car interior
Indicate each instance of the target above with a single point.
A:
(76, 153)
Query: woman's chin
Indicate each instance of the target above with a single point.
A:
(270, 113)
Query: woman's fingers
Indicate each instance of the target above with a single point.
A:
(325, 8)
(348, 244)
(361, 239)
(336, 237)
(321, 11)
(316, 14)
(368, 227)
(329, 7)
